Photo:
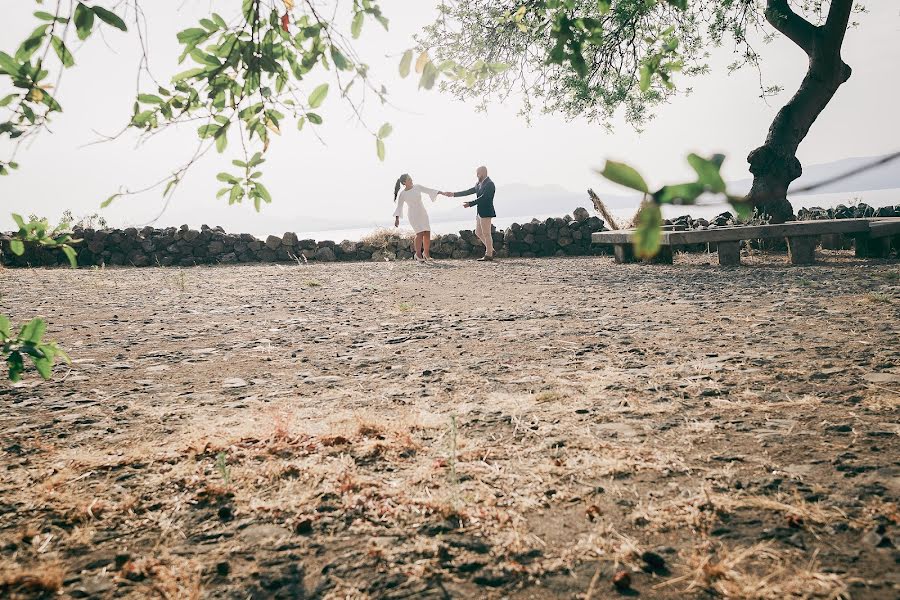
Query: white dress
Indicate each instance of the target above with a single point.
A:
(416, 213)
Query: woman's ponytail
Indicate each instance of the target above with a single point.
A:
(400, 182)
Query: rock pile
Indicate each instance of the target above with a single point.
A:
(842, 211)
(566, 236)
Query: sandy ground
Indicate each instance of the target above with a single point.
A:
(523, 429)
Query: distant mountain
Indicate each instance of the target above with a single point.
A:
(522, 200)
(886, 176)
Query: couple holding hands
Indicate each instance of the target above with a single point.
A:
(411, 195)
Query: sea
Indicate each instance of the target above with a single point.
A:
(623, 215)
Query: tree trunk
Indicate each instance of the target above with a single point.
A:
(774, 165)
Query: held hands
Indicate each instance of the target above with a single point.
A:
(448, 194)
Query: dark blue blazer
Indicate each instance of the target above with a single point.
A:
(484, 198)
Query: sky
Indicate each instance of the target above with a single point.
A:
(338, 182)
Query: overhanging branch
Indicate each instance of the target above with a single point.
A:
(797, 29)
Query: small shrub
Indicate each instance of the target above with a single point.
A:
(878, 297)
(28, 342)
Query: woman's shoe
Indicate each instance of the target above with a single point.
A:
(418, 258)
(486, 258)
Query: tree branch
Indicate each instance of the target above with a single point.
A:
(796, 28)
(836, 23)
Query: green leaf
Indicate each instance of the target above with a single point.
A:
(379, 149)
(221, 138)
(19, 221)
(109, 17)
(149, 99)
(228, 178)
(648, 234)
(357, 25)
(237, 194)
(84, 21)
(31, 44)
(318, 96)
(17, 247)
(5, 101)
(109, 200)
(188, 74)
(262, 192)
(70, 253)
(170, 186)
(624, 175)
(406, 63)
(51, 102)
(743, 209)
(16, 366)
(192, 36)
(62, 52)
(708, 171)
(429, 76)
(679, 4)
(8, 64)
(385, 131)
(314, 118)
(684, 193)
(33, 331)
(340, 61)
(5, 327)
(44, 16)
(43, 365)
(646, 73)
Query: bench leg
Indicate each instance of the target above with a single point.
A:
(834, 241)
(867, 247)
(729, 254)
(666, 256)
(624, 253)
(802, 249)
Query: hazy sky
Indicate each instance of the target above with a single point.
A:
(436, 138)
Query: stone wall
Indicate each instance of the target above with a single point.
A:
(183, 246)
(841, 211)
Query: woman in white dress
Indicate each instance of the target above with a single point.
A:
(411, 196)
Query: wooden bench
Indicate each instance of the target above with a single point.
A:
(877, 243)
(802, 238)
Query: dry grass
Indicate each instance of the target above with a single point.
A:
(34, 582)
(382, 236)
(558, 460)
(878, 298)
(758, 572)
(170, 578)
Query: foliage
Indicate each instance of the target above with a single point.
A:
(592, 58)
(247, 74)
(38, 231)
(92, 221)
(223, 468)
(31, 106)
(28, 342)
(649, 221)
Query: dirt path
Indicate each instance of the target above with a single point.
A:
(523, 429)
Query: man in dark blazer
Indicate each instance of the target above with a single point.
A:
(484, 192)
